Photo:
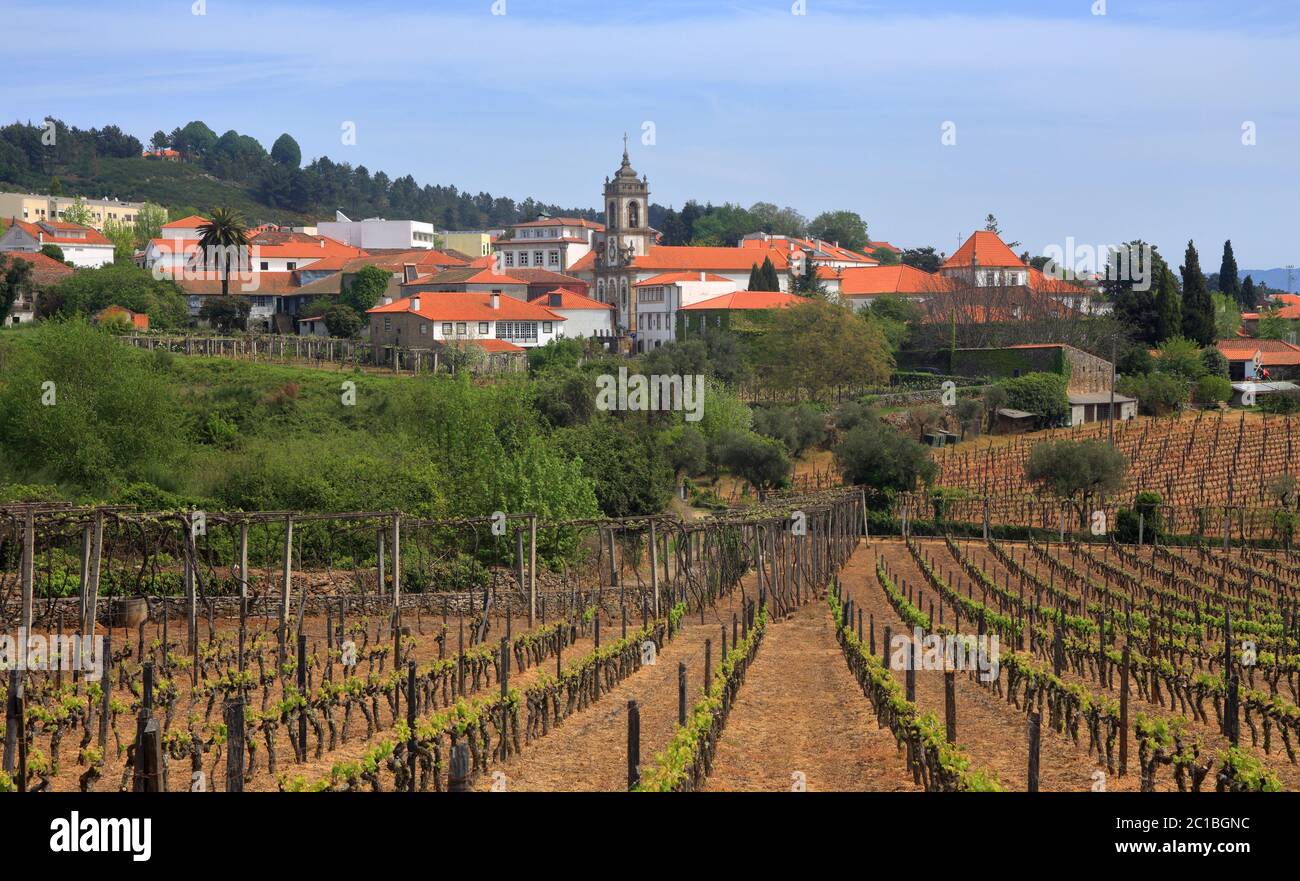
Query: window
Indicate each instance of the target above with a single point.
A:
(510, 258)
(546, 326)
(446, 328)
(424, 328)
(554, 258)
(291, 265)
(388, 323)
(537, 258)
(460, 328)
(483, 327)
(265, 266)
(633, 214)
(517, 330)
(523, 258)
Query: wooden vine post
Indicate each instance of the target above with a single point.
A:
(950, 704)
(681, 693)
(285, 587)
(1126, 663)
(397, 589)
(28, 570)
(458, 775)
(654, 567)
(93, 572)
(411, 705)
(243, 593)
(235, 745)
(532, 571)
(302, 693)
(633, 745)
(1035, 735)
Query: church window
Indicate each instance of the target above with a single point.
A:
(633, 214)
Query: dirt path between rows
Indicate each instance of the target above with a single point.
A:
(993, 732)
(588, 752)
(801, 716)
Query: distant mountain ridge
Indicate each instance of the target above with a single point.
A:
(1274, 278)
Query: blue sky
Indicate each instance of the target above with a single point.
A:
(1068, 124)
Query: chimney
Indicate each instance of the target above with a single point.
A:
(408, 272)
(496, 299)
(702, 273)
(388, 301)
(415, 303)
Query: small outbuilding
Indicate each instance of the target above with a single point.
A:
(1011, 421)
(1095, 407)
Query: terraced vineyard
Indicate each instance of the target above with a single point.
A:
(1207, 461)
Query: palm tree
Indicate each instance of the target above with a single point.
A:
(220, 237)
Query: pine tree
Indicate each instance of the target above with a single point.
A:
(1198, 309)
(1249, 297)
(1169, 315)
(1228, 283)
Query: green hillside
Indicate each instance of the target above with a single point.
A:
(182, 188)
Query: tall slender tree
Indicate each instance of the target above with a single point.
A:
(1249, 296)
(222, 241)
(764, 278)
(1169, 310)
(1228, 282)
(1198, 309)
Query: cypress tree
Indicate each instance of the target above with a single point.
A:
(771, 281)
(755, 279)
(1198, 308)
(1228, 282)
(1249, 297)
(1169, 314)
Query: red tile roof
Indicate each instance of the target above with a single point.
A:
(466, 275)
(45, 269)
(1273, 353)
(209, 282)
(828, 250)
(491, 345)
(43, 234)
(748, 300)
(547, 277)
(675, 277)
(1041, 282)
(194, 221)
(900, 279)
(1285, 312)
(689, 257)
(569, 300)
(563, 221)
(467, 306)
(984, 248)
(297, 245)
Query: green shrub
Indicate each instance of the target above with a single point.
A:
(1043, 394)
(1212, 390)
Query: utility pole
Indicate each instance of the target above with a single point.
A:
(1114, 345)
